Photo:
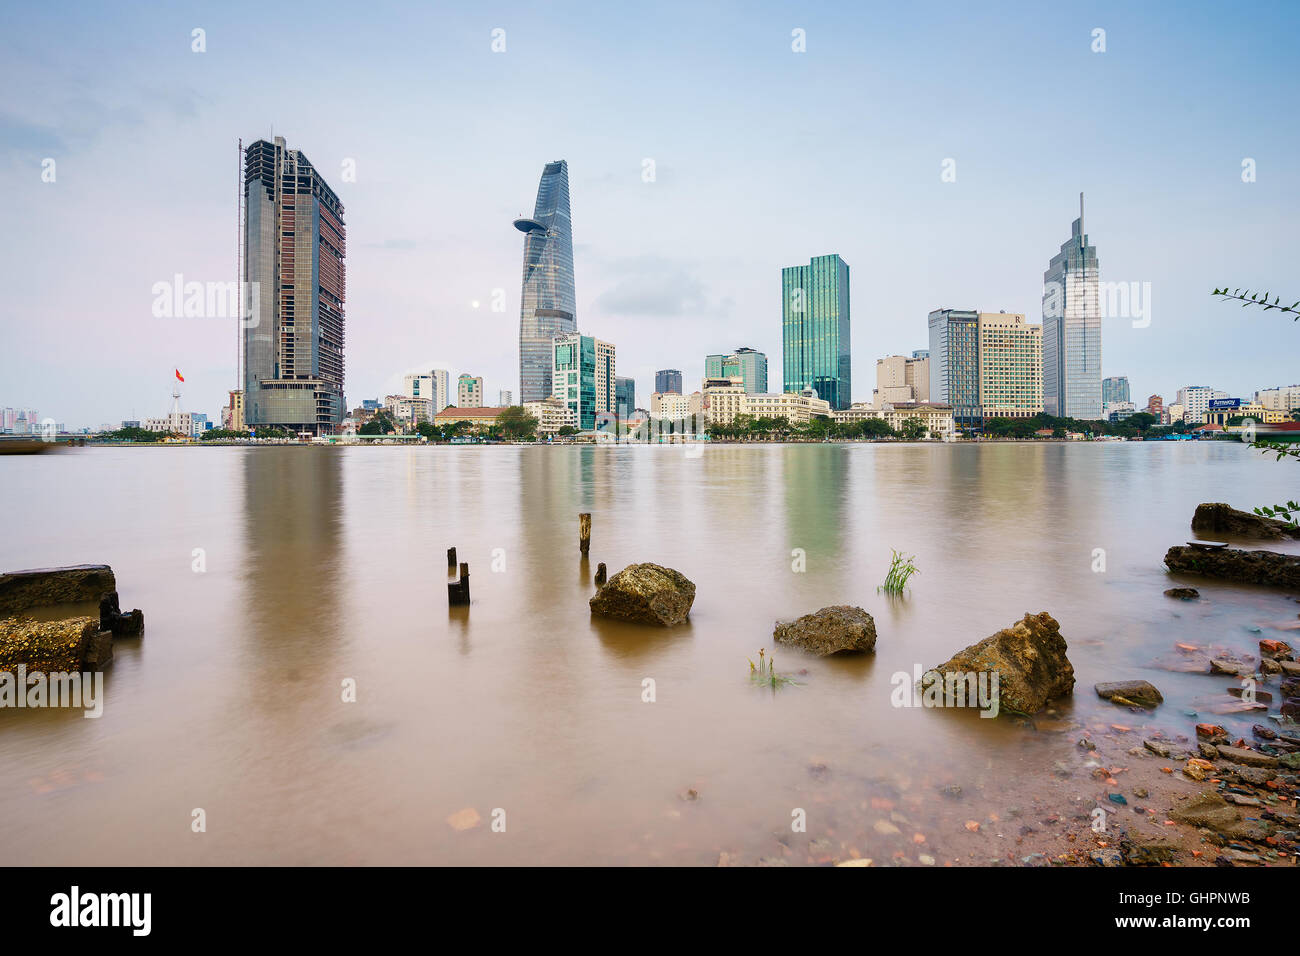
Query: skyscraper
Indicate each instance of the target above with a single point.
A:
(624, 396)
(746, 364)
(1114, 389)
(668, 381)
(583, 373)
(815, 329)
(1010, 366)
(1072, 329)
(547, 305)
(294, 244)
(955, 365)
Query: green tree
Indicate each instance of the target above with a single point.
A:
(913, 429)
(516, 424)
(379, 424)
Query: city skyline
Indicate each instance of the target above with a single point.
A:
(674, 260)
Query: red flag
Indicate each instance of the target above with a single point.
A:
(179, 376)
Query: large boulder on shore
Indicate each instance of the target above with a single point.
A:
(646, 594)
(1029, 659)
(1250, 567)
(831, 630)
(1221, 519)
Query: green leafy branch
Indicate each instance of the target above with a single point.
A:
(1288, 512)
(1258, 298)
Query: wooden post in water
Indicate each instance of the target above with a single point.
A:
(458, 591)
(600, 574)
(451, 559)
(584, 532)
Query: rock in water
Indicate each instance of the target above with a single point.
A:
(1029, 659)
(1217, 518)
(1140, 692)
(831, 630)
(646, 594)
(1183, 594)
(1251, 567)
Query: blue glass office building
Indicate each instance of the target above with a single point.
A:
(548, 300)
(815, 329)
(955, 364)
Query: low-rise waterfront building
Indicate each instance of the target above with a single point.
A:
(551, 414)
(478, 419)
(936, 417)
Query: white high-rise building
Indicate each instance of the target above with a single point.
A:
(1280, 399)
(469, 391)
(433, 385)
(1195, 400)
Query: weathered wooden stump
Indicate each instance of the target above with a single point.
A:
(584, 532)
(451, 559)
(458, 591)
(600, 574)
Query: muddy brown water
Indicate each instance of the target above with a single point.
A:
(326, 565)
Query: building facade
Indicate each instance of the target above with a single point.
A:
(936, 417)
(410, 410)
(548, 301)
(583, 376)
(1072, 329)
(954, 364)
(749, 365)
(1195, 401)
(668, 380)
(469, 391)
(433, 385)
(1284, 398)
(1010, 366)
(624, 397)
(902, 379)
(815, 327)
(295, 245)
(1156, 407)
(1114, 389)
(551, 414)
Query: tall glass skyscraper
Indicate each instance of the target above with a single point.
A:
(668, 381)
(294, 244)
(1072, 329)
(815, 329)
(955, 364)
(1114, 389)
(548, 304)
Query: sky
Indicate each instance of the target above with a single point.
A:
(763, 157)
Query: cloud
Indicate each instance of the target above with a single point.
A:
(656, 286)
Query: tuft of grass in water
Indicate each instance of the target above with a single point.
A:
(765, 675)
(900, 569)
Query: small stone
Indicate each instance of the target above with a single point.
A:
(1140, 692)
(1250, 758)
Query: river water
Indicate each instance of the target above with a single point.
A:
(269, 577)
